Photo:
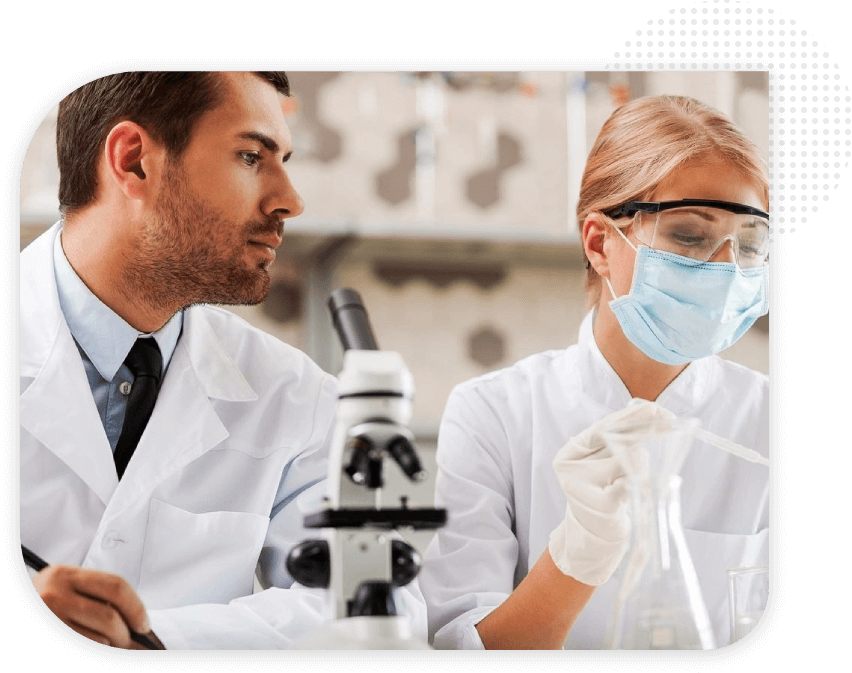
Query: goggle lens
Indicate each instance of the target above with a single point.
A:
(701, 232)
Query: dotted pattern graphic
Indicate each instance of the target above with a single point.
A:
(809, 130)
(810, 108)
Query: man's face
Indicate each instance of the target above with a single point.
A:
(220, 212)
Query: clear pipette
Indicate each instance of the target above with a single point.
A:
(732, 447)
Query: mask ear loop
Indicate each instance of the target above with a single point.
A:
(628, 241)
(611, 291)
(635, 249)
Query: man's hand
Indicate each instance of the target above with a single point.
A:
(99, 605)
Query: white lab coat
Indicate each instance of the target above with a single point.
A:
(497, 441)
(234, 456)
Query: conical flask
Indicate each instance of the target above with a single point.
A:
(659, 605)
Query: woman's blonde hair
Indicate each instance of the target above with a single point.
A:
(646, 139)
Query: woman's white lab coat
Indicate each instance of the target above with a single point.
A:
(497, 441)
(234, 456)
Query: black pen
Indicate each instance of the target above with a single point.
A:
(38, 564)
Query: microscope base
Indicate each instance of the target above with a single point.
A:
(362, 633)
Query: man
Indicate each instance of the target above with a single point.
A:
(174, 192)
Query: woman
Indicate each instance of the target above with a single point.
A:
(533, 538)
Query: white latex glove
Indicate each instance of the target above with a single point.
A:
(590, 542)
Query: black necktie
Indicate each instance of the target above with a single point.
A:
(146, 364)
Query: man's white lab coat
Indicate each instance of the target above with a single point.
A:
(498, 437)
(234, 456)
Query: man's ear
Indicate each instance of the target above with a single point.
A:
(593, 236)
(130, 157)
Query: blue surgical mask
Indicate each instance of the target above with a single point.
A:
(679, 310)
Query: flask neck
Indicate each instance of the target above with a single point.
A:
(657, 518)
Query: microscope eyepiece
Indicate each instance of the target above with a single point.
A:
(351, 321)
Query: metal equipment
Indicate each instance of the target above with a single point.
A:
(363, 555)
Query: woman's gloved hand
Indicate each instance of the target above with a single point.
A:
(591, 540)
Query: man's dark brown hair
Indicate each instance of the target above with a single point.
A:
(166, 104)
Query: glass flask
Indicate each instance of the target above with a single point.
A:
(748, 590)
(659, 605)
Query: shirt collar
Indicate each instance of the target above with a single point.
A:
(599, 379)
(104, 336)
(601, 382)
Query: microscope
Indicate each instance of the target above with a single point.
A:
(371, 512)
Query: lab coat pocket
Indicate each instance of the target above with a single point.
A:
(199, 558)
(712, 553)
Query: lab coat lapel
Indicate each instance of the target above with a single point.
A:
(59, 411)
(57, 407)
(184, 424)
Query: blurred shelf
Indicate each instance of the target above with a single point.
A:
(307, 240)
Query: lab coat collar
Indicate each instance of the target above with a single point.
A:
(599, 380)
(216, 371)
(57, 407)
(184, 424)
(39, 312)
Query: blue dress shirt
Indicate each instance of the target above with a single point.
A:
(104, 339)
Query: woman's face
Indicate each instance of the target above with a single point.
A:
(710, 178)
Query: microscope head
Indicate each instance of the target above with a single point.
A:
(374, 384)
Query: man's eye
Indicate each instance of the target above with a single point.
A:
(250, 158)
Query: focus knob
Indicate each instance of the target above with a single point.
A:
(310, 564)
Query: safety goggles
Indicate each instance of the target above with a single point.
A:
(698, 228)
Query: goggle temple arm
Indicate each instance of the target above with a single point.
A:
(632, 207)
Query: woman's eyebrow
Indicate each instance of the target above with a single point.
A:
(698, 211)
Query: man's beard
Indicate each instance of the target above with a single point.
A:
(177, 263)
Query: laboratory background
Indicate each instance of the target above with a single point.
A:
(447, 200)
